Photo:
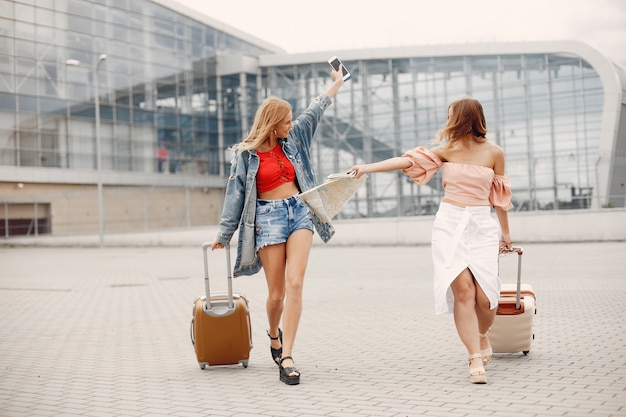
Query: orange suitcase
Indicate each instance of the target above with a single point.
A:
(220, 326)
(512, 329)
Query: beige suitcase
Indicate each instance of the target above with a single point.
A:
(220, 326)
(512, 329)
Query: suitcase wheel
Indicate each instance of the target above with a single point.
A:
(202, 365)
(244, 363)
(526, 352)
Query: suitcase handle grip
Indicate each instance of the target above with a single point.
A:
(505, 251)
(229, 271)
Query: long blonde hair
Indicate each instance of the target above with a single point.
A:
(465, 118)
(271, 112)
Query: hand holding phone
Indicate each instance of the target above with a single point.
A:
(335, 63)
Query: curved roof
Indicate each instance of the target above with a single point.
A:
(567, 47)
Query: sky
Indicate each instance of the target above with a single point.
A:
(326, 25)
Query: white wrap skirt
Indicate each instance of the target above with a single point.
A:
(465, 238)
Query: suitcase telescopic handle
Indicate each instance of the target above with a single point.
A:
(518, 292)
(229, 271)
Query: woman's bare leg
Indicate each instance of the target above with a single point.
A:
(466, 319)
(298, 250)
(485, 316)
(285, 266)
(273, 258)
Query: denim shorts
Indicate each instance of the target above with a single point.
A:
(276, 220)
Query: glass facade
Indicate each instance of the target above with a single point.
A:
(175, 91)
(157, 86)
(545, 110)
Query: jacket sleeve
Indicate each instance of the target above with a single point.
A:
(305, 125)
(234, 199)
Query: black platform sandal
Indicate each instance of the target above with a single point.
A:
(285, 373)
(276, 353)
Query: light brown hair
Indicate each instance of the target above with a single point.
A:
(465, 117)
(271, 112)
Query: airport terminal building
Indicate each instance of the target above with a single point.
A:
(122, 111)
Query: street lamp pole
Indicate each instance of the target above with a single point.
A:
(96, 87)
(96, 83)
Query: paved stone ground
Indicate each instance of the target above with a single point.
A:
(105, 332)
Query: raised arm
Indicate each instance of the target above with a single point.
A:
(391, 164)
(501, 213)
(337, 77)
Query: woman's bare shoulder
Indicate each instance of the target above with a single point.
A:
(494, 148)
(439, 151)
(497, 158)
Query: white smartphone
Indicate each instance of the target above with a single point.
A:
(335, 63)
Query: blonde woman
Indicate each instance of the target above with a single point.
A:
(272, 165)
(466, 238)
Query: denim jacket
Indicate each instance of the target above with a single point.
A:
(240, 199)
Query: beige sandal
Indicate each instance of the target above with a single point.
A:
(477, 374)
(486, 353)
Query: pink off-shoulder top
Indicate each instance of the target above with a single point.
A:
(472, 185)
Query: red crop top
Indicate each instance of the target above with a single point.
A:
(274, 170)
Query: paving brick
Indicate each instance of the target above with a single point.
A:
(105, 332)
